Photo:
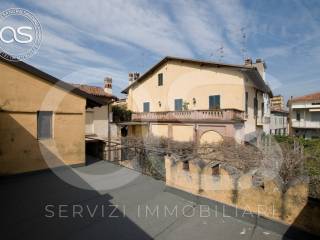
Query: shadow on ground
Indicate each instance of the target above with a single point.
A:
(308, 215)
(30, 210)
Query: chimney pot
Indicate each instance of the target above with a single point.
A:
(133, 76)
(248, 61)
(261, 67)
(108, 85)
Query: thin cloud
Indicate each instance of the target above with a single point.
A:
(115, 36)
(137, 23)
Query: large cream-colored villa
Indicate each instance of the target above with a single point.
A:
(191, 100)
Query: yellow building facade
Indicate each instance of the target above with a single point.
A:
(42, 122)
(177, 98)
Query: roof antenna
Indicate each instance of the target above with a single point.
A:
(221, 52)
(143, 60)
(211, 55)
(243, 43)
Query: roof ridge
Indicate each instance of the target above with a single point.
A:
(47, 77)
(209, 62)
(245, 68)
(307, 97)
(93, 90)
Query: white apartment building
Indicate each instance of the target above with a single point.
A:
(305, 116)
(278, 122)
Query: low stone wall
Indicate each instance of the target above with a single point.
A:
(132, 164)
(264, 194)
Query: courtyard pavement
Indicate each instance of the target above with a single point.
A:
(42, 206)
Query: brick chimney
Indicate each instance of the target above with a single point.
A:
(248, 61)
(108, 85)
(261, 67)
(133, 76)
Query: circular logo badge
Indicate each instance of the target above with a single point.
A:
(20, 34)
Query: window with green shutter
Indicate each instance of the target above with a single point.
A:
(255, 106)
(160, 79)
(214, 102)
(146, 107)
(246, 102)
(178, 104)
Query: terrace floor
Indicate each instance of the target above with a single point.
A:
(24, 214)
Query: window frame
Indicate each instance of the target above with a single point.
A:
(160, 79)
(246, 104)
(175, 104)
(41, 136)
(144, 106)
(216, 104)
(186, 166)
(315, 116)
(255, 106)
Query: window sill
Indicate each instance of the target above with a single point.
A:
(45, 139)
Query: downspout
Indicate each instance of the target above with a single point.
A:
(256, 115)
(109, 129)
(290, 117)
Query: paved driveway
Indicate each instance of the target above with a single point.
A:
(42, 206)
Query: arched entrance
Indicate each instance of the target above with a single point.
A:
(211, 137)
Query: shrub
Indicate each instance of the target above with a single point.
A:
(121, 114)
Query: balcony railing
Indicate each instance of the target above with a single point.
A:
(263, 120)
(190, 116)
(305, 124)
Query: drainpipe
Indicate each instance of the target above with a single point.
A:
(256, 116)
(109, 129)
(290, 131)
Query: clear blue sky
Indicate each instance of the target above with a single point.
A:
(84, 41)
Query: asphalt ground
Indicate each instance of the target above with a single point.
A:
(43, 206)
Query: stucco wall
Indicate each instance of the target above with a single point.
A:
(89, 127)
(194, 82)
(188, 81)
(138, 130)
(97, 121)
(183, 133)
(21, 96)
(159, 130)
(270, 199)
(20, 92)
(251, 120)
(195, 132)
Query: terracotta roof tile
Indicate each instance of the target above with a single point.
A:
(275, 109)
(309, 97)
(93, 90)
